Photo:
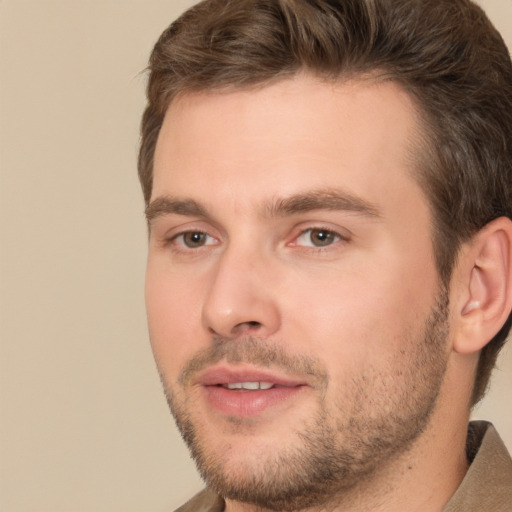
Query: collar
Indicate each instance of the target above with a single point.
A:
(488, 482)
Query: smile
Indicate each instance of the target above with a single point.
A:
(251, 386)
(242, 393)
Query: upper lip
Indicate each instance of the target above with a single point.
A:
(221, 375)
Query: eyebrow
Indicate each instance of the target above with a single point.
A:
(325, 199)
(166, 205)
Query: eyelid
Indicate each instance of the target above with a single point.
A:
(342, 235)
(168, 237)
(182, 234)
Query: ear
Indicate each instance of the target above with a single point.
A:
(484, 286)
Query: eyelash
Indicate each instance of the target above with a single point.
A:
(183, 246)
(178, 244)
(336, 237)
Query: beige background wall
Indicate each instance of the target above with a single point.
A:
(83, 423)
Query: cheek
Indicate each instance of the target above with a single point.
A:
(173, 307)
(361, 313)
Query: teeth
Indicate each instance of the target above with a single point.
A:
(250, 385)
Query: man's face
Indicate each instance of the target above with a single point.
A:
(294, 307)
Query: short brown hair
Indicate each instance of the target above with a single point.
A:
(445, 53)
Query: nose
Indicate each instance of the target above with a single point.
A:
(240, 298)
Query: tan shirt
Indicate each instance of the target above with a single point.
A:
(487, 486)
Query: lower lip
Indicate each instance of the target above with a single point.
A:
(245, 404)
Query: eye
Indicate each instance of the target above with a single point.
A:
(317, 237)
(194, 239)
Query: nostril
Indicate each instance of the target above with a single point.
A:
(249, 325)
(240, 328)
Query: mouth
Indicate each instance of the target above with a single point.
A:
(248, 386)
(242, 393)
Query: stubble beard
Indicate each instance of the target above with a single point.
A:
(376, 418)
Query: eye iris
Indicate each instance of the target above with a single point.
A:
(194, 239)
(321, 237)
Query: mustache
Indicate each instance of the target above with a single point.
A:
(254, 351)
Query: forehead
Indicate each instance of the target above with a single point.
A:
(286, 138)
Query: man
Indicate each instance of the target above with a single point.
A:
(329, 280)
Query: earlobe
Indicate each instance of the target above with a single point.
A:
(488, 286)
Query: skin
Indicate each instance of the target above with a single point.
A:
(343, 293)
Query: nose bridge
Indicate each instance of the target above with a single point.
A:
(240, 298)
